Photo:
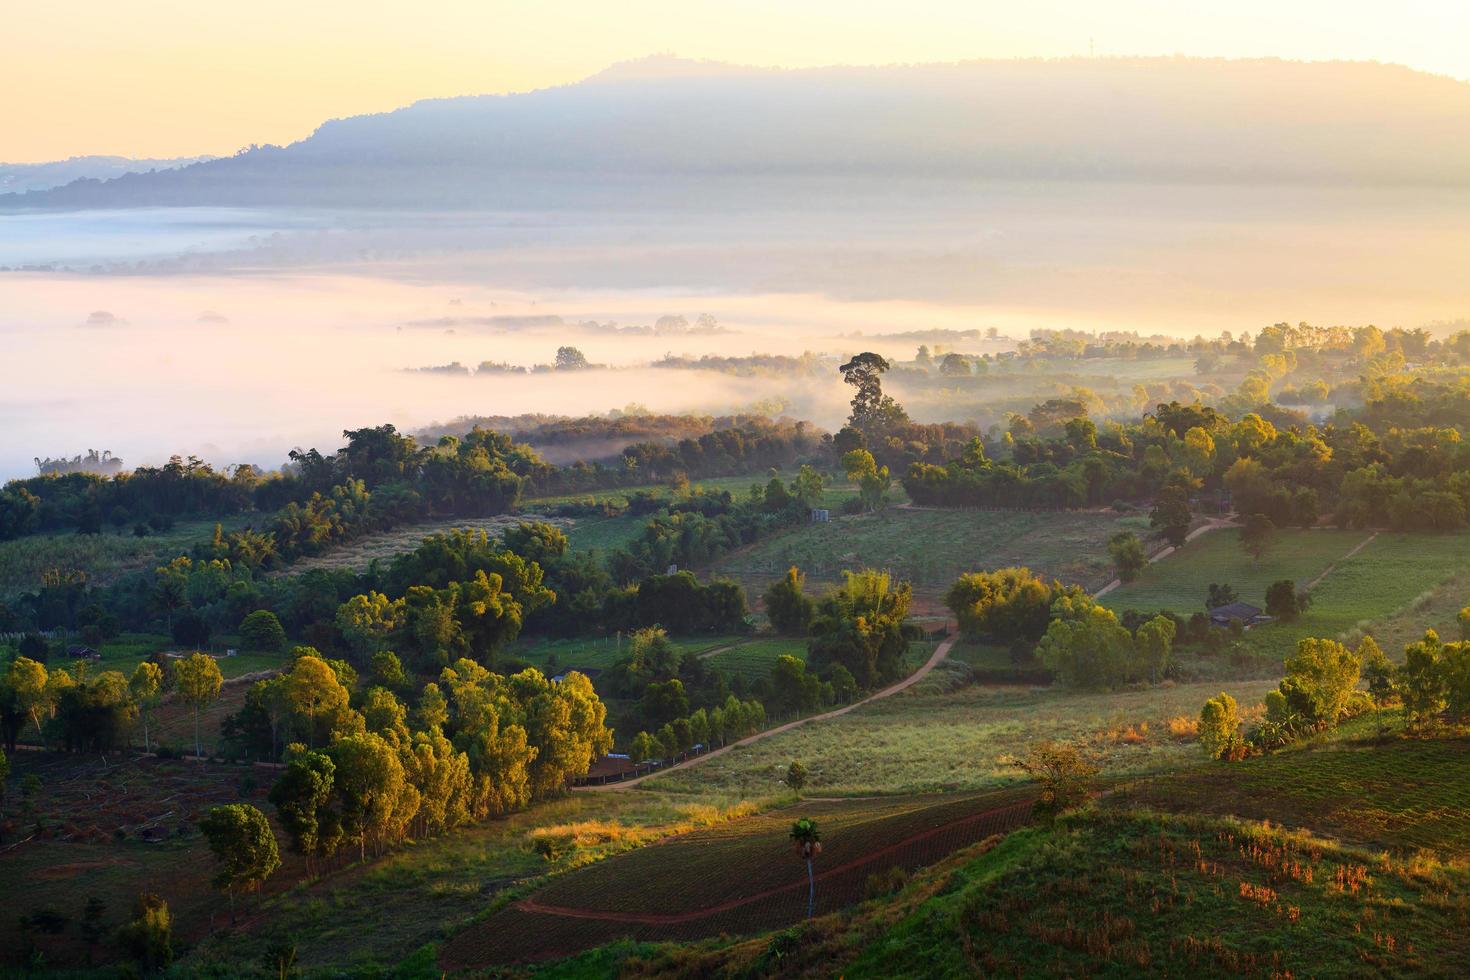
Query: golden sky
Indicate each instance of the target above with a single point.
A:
(184, 77)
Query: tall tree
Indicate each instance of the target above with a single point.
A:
(808, 839)
(244, 845)
(146, 685)
(198, 681)
(313, 690)
(872, 411)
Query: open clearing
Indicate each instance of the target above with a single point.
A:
(1128, 894)
(929, 740)
(1402, 795)
(1388, 576)
(737, 877)
(931, 547)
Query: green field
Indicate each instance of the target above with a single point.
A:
(101, 557)
(929, 739)
(603, 651)
(1402, 795)
(931, 547)
(1385, 581)
(754, 659)
(737, 485)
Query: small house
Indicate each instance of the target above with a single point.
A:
(82, 653)
(1248, 614)
(821, 515)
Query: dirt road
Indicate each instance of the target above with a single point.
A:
(940, 652)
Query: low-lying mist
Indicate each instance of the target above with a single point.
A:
(238, 335)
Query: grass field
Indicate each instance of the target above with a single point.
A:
(1384, 582)
(1403, 795)
(102, 557)
(755, 658)
(732, 878)
(928, 739)
(931, 548)
(1124, 894)
(603, 651)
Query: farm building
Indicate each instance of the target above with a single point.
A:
(1248, 614)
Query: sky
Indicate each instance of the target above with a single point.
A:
(158, 78)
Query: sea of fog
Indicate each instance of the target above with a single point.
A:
(238, 334)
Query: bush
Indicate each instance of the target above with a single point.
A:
(1219, 724)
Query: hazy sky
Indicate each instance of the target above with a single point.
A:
(183, 77)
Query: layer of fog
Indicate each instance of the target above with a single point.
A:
(237, 335)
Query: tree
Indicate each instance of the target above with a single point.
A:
(787, 605)
(146, 686)
(1065, 777)
(1127, 553)
(663, 701)
(808, 839)
(313, 690)
(367, 620)
(860, 626)
(570, 359)
(643, 748)
(28, 682)
(872, 411)
(261, 630)
(1153, 642)
(1088, 647)
(808, 486)
(1421, 682)
(300, 797)
(376, 798)
(1257, 535)
(1219, 725)
(1281, 600)
(1463, 618)
(387, 671)
(244, 845)
(149, 936)
(1009, 605)
(795, 776)
(1170, 516)
(198, 681)
(1219, 594)
(873, 480)
(1319, 679)
(955, 366)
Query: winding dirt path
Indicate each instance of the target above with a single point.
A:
(1333, 567)
(940, 652)
(676, 918)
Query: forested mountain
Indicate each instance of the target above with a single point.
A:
(656, 129)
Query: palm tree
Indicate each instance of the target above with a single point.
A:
(808, 841)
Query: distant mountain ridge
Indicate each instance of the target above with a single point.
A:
(662, 119)
(19, 178)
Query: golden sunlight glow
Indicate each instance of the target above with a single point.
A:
(180, 77)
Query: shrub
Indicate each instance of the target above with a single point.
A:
(1219, 724)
